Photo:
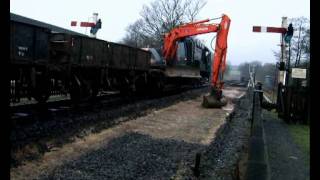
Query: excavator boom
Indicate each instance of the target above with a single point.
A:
(219, 60)
(170, 47)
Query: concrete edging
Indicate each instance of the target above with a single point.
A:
(258, 164)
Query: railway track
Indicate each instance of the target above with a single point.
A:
(30, 109)
(236, 83)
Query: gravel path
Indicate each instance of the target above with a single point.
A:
(286, 160)
(220, 160)
(132, 156)
(155, 146)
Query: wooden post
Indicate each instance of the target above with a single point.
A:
(196, 170)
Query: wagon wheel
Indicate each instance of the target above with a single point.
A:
(124, 87)
(92, 89)
(157, 85)
(140, 85)
(41, 96)
(160, 85)
(124, 90)
(41, 90)
(76, 92)
(86, 90)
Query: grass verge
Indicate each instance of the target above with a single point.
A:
(301, 135)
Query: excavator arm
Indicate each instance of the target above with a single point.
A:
(176, 34)
(219, 60)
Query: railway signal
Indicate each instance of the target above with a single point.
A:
(283, 31)
(286, 35)
(289, 33)
(95, 25)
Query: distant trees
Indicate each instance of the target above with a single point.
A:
(227, 71)
(159, 17)
(266, 69)
(244, 68)
(261, 70)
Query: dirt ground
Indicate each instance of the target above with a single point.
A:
(186, 121)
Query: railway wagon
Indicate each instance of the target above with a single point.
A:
(77, 64)
(127, 57)
(29, 57)
(129, 68)
(85, 65)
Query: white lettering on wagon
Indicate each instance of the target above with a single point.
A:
(22, 50)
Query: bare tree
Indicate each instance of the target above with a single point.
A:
(134, 36)
(300, 42)
(159, 17)
(301, 39)
(244, 70)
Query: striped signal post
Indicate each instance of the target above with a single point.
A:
(282, 30)
(282, 108)
(88, 24)
(269, 29)
(83, 24)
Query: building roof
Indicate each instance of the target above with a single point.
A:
(53, 28)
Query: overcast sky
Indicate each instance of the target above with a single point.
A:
(116, 15)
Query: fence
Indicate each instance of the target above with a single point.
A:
(293, 100)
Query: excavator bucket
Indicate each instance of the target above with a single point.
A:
(214, 100)
(210, 101)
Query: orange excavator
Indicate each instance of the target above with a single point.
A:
(214, 99)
